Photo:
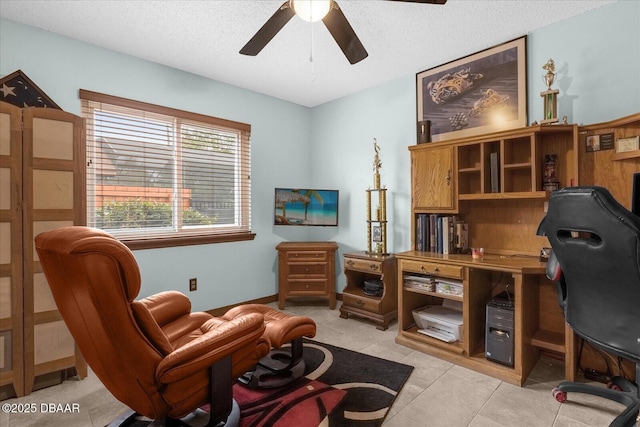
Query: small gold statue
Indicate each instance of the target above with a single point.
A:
(549, 96)
(551, 73)
(377, 164)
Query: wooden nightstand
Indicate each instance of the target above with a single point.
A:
(307, 269)
(360, 267)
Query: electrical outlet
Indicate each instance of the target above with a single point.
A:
(193, 284)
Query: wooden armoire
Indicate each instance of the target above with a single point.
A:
(42, 186)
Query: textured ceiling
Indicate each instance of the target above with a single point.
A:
(204, 37)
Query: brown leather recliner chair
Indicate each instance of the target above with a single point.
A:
(154, 355)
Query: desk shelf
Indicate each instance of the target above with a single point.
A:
(433, 294)
(413, 334)
(549, 340)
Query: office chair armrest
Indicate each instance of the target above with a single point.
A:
(554, 273)
(220, 339)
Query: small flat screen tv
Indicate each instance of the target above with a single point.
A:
(305, 206)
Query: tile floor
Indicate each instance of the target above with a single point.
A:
(437, 393)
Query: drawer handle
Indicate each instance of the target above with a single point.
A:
(360, 303)
(350, 263)
(374, 266)
(424, 270)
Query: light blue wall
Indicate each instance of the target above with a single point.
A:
(597, 56)
(342, 153)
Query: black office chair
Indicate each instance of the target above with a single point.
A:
(596, 244)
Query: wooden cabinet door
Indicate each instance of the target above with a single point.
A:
(432, 179)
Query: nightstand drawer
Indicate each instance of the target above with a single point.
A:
(303, 286)
(307, 269)
(367, 266)
(432, 268)
(306, 256)
(364, 303)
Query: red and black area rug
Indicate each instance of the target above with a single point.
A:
(341, 388)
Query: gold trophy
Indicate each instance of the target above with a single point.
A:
(377, 217)
(550, 96)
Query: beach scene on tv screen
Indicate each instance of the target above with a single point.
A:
(306, 207)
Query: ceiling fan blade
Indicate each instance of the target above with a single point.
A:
(268, 30)
(423, 1)
(343, 34)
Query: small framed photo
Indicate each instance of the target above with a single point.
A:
(624, 145)
(376, 233)
(593, 143)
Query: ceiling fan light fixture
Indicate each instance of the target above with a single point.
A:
(311, 10)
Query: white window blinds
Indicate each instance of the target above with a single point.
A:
(157, 176)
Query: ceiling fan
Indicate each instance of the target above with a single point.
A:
(315, 10)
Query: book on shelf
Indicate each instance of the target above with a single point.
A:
(433, 230)
(439, 234)
(495, 175)
(448, 234)
(422, 232)
(443, 234)
(462, 236)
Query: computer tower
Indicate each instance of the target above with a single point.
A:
(499, 336)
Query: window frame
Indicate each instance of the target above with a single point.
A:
(184, 238)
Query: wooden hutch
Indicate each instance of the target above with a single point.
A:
(503, 204)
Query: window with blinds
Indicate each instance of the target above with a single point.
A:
(157, 176)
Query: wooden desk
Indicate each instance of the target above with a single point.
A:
(538, 320)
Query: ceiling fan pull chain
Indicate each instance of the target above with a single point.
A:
(313, 65)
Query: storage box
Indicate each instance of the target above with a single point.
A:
(420, 282)
(449, 287)
(443, 322)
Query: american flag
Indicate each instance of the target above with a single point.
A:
(19, 90)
